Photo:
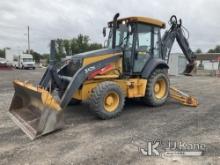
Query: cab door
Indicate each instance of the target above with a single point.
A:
(147, 39)
(128, 54)
(142, 45)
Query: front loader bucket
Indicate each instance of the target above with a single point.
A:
(35, 110)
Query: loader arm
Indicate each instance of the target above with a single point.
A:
(176, 32)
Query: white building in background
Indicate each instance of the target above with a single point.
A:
(177, 63)
(208, 65)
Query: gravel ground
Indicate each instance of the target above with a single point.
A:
(88, 140)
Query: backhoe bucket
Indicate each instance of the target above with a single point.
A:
(35, 110)
(189, 68)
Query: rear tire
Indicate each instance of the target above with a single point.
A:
(157, 90)
(107, 100)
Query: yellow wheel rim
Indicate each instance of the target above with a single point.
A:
(111, 101)
(160, 88)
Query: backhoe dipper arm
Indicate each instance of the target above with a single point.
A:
(176, 32)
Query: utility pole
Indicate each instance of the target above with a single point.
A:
(28, 42)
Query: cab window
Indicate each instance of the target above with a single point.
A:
(156, 46)
(143, 46)
(147, 45)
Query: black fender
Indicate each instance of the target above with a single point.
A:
(151, 65)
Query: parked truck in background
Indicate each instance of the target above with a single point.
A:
(9, 56)
(24, 61)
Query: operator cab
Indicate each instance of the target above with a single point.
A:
(139, 38)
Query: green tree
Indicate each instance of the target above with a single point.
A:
(198, 50)
(67, 46)
(36, 56)
(215, 50)
(2, 53)
(95, 46)
(73, 46)
(47, 57)
(211, 51)
(60, 49)
(83, 43)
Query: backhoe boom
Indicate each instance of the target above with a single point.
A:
(176, 32)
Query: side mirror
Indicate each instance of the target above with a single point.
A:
(104, 31)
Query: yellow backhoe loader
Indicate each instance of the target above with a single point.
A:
(133, 65)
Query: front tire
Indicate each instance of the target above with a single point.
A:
(157, 90)
(107, 100)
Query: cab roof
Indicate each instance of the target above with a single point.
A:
(144, 20)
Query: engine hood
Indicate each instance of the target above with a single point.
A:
(75, 61)
(97, 53)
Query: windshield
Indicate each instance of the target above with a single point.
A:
(121, 36)
(27, 60)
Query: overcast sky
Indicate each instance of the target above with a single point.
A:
(67, 18)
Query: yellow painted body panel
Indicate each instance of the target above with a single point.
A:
(92, 59)
(136, 87)
(116, 65)
(131, 87)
